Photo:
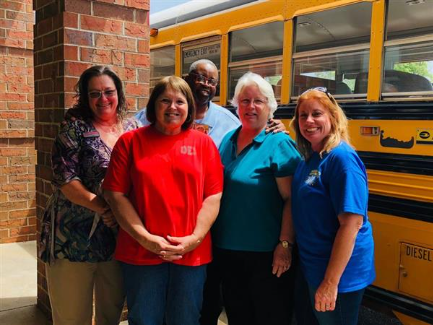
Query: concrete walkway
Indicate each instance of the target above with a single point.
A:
(18, 286)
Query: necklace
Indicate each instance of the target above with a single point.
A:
(109, 129)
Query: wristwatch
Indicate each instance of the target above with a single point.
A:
(286, 244)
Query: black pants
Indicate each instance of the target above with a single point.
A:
(252, 294)
(212, 296)
(303, 309)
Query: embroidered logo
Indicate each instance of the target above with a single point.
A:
(312, 177)
(188, 150)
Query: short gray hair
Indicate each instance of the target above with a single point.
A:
(251, 78)
(194, 65)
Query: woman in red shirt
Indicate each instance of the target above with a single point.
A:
(164, 185)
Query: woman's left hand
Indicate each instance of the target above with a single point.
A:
(282, 260)
(275, 126)
(326, 296)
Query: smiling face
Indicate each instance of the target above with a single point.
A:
(171, 111)
(253, 108)
(314, 123)
(203, 91)
(104, 108)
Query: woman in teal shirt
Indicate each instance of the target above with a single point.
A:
(253, 234)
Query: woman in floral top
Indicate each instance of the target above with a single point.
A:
(78, 235)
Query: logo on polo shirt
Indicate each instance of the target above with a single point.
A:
(313, 178)
(188, 150)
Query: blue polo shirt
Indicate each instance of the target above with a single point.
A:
(322, 189)
(251, 207)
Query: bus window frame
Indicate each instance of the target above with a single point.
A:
(354, 97)
(405, 96)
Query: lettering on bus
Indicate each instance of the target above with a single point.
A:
(202, 51)
(419, 253)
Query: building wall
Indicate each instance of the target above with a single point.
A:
(17, 150)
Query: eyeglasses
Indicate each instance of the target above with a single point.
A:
(258, 102)
(96, 94)
(204, 80)
(321, 89)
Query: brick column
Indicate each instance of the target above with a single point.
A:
(70, 36)
(17, 154)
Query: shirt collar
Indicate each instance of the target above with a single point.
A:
(259, 138)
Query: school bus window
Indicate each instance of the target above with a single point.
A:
(257, 42)
(258, 49)
(408, 61)
(161, 64)
(271, 71)
(202, 49)
(332, 50)
(409, 18)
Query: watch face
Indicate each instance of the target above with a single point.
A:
(285, 243)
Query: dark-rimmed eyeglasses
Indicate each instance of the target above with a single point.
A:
(96, 94)
(204, 80)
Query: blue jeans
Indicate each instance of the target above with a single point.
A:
(346, 308)
(165, 291)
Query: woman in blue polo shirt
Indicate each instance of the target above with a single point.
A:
(330, 197)
(253, 233)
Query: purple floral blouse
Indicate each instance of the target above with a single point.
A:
(69, 230)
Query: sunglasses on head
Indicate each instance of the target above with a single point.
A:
(97, 93)
(322, 90)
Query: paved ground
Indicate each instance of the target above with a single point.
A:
(18, 289)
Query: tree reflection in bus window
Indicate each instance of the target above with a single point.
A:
(408, 62)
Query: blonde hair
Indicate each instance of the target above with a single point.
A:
(339, 125)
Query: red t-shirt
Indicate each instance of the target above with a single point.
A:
(166, 179)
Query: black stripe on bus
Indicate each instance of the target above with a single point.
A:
(406, 305)
(410, 164)
(374, 111)
(410, 209)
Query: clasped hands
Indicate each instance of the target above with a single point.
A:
(171, 248)
(107, 216)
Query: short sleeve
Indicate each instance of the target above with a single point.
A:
(348, 185)
(285, 158)
(141, 116)
(117, 178)
(213, 183)
(65, 154)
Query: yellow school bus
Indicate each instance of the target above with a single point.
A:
(376, 57)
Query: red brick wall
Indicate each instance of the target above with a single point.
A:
(17, 153)
(70, 36)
